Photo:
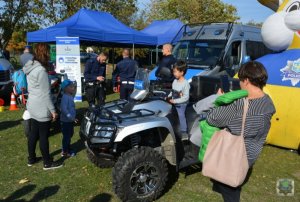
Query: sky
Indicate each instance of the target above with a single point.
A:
(247, 9)
(250, 10)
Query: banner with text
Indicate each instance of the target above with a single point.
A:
(68, 61)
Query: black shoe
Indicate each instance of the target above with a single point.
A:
(52, 165)
(36, 160)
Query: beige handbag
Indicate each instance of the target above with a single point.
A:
(225, 158)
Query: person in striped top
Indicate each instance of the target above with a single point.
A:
(253, 78)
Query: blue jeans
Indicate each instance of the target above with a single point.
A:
(67, 129)
(181, 116)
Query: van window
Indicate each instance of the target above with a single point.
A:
(256, 49)
(200, 52)
(233, 55)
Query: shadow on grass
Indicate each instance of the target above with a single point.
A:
(39, 196)
(9, 124)
(104, 197)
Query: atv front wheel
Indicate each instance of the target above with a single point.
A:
(100, 162)
(140, 174)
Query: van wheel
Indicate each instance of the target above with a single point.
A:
(140, 174)
(100, 162)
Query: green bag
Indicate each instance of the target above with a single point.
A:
(207, 133)
(207, 130)
(230, 97)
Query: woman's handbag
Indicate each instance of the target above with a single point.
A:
(225, 158)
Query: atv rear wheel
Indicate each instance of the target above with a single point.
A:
(100, 162)
(140, 174)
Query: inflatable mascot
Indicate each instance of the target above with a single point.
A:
(281, 33)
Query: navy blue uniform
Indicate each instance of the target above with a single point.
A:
(94, 88)
(166, 61)
(93, 69)
(126, 69)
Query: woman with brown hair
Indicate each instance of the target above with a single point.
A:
(39, 105)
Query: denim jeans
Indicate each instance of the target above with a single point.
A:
(67, 129)
(181, 116)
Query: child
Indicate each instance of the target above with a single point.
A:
(180, 95)
(67, 117)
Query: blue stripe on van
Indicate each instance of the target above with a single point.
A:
(189, 74)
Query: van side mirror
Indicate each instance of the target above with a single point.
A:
(246, 58)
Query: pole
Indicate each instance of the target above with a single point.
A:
(113, 58)
(151, 57)
(156, 54)
(133, 51)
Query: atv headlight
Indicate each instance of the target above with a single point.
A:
(105, 132)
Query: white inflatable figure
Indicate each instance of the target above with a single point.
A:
(281, 30)
(281, 33)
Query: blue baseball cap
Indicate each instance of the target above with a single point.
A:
(66, 83)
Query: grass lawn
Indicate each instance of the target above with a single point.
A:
(80, 180)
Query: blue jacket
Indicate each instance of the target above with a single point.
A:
(93, 69)
(126, 69)
(67, 107)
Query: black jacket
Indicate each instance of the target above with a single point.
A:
(126, 69)
(93, 69)
(166, 61)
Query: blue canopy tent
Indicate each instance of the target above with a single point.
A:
(94, 26)
(166, 31)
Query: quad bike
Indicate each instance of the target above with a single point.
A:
(139, 139)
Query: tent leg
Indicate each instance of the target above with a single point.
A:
(113, 58)
(151, 57)
(133, 51)
(156, 54)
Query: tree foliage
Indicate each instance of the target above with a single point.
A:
(192, 11)
(17, 42)
(30, 15)
(255, 24)
(13, 14)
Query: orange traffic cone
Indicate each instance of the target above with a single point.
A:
(13, 104)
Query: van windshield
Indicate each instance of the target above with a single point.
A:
(204, 53)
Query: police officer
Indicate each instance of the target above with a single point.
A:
(126, 70)
(168, 61)
(94, 75)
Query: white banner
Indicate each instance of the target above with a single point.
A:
(68, 61)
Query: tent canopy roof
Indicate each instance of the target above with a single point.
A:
(91, 25)
(165, 30)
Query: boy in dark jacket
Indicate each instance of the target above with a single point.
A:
(67, 117)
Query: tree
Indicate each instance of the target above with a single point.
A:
(192, 11)
(255, 24)
(13, 13)
(54, 11)
(17, 42)
(30, 15)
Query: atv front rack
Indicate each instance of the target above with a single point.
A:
(119, 111)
